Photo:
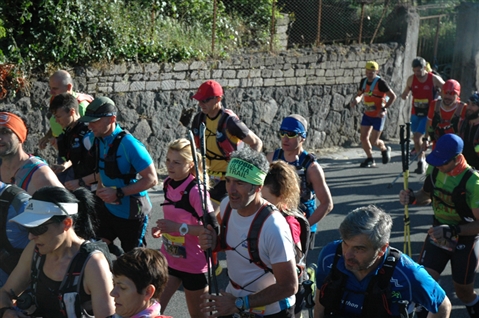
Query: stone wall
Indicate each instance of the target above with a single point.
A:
(154, 99)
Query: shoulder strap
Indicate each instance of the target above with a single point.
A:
(308, 159)
(224, 227)
(459, 198)
(373, 84)
(254, 233)
(278, 154)
(185, 201)
(113, 169)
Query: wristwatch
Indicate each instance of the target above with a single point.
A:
(119, 193)
(239, 303)
(184, 229)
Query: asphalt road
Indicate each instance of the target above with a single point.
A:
(351, 187)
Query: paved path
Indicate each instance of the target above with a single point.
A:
(351, 187)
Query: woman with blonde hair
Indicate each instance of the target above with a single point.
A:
(182, 223)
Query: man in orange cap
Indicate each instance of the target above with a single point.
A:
(378, 96)
(26, 171)
(225, 132)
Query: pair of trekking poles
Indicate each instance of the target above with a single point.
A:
(202, 189)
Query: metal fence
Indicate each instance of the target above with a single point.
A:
(305, 23)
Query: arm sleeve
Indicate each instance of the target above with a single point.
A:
(237, 128)
(195, 202)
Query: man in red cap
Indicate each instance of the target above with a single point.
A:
(18, 167)
(225, 133)
(445, 113)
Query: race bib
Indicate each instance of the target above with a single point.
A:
(174, 245)
(370, 106)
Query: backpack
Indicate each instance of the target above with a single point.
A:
(111, 168)
(69, 293)
(458, 195)
(371, 88)
(378, 289)
(225, 145)
(435, 131)
(184, 202)
(16, 196)
(255, 231)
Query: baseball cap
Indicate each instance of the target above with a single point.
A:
(295, 123)
(38, 212)
(451, 87)
(447, 147)
(372, 66)
(208, 89)
(474, 98)
(98, 108)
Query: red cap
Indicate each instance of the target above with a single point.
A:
(451, 86)
(208, 89)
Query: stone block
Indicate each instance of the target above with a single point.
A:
(168, 85)
(92, 80)
(224, 64)
(229, 74)
(270, 61)
(330, 80)
(313, 80)
(180, 66)
(320, 72)
(93, 87)
(310, 72)
(182, 84)
(135, 77)
(269, 82)
(300, 73)
(257, 62)
(277, 73)
(291, 81)
(255, 73)
(301, 81)
(137, 86)
(104, 89)
(243, 73)
(257, 82)
(329, 72)
(151, 68)
(167, 67)
(288, 73)
(121, 87)
(198, 65)
(280, 82)
(217, 74)
(115, 69)
(234, 83)
(152, 85)
(338, 72)
(266, 73)
(179, 75)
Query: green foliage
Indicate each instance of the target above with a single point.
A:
(80, 32)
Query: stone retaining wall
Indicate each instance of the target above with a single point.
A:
(154, 99)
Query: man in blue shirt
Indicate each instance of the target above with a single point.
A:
(120, 158)
(362, 276)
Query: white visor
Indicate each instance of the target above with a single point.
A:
(38, 212)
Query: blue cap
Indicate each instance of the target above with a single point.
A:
(295, 123)
(447, 147)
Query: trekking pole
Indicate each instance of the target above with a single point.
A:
(405, 166)
(400, 174)
(209, 253)
(202, 200)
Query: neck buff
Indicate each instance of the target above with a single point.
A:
(14, 123)
(152, 311)
(245, 171)
(461, 164)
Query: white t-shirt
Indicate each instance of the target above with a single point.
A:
(275, 246)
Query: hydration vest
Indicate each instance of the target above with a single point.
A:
(225, 145)
(69, 293)
(184, 202)
(15, 196)
(377, 299)
(440, 126)
(458, 195)
(374, 99)
(110, 163)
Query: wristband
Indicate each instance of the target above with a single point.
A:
(412, 197)
(425, 139)
(246, 303)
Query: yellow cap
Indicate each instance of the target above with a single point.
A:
(372, 66)
(428, 67)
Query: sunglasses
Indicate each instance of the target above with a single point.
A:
(289, 134)
(39, 230)
(204, 101)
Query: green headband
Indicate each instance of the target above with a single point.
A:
(245, 171)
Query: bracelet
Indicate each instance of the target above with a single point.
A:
(246, 303)
(4, 309)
